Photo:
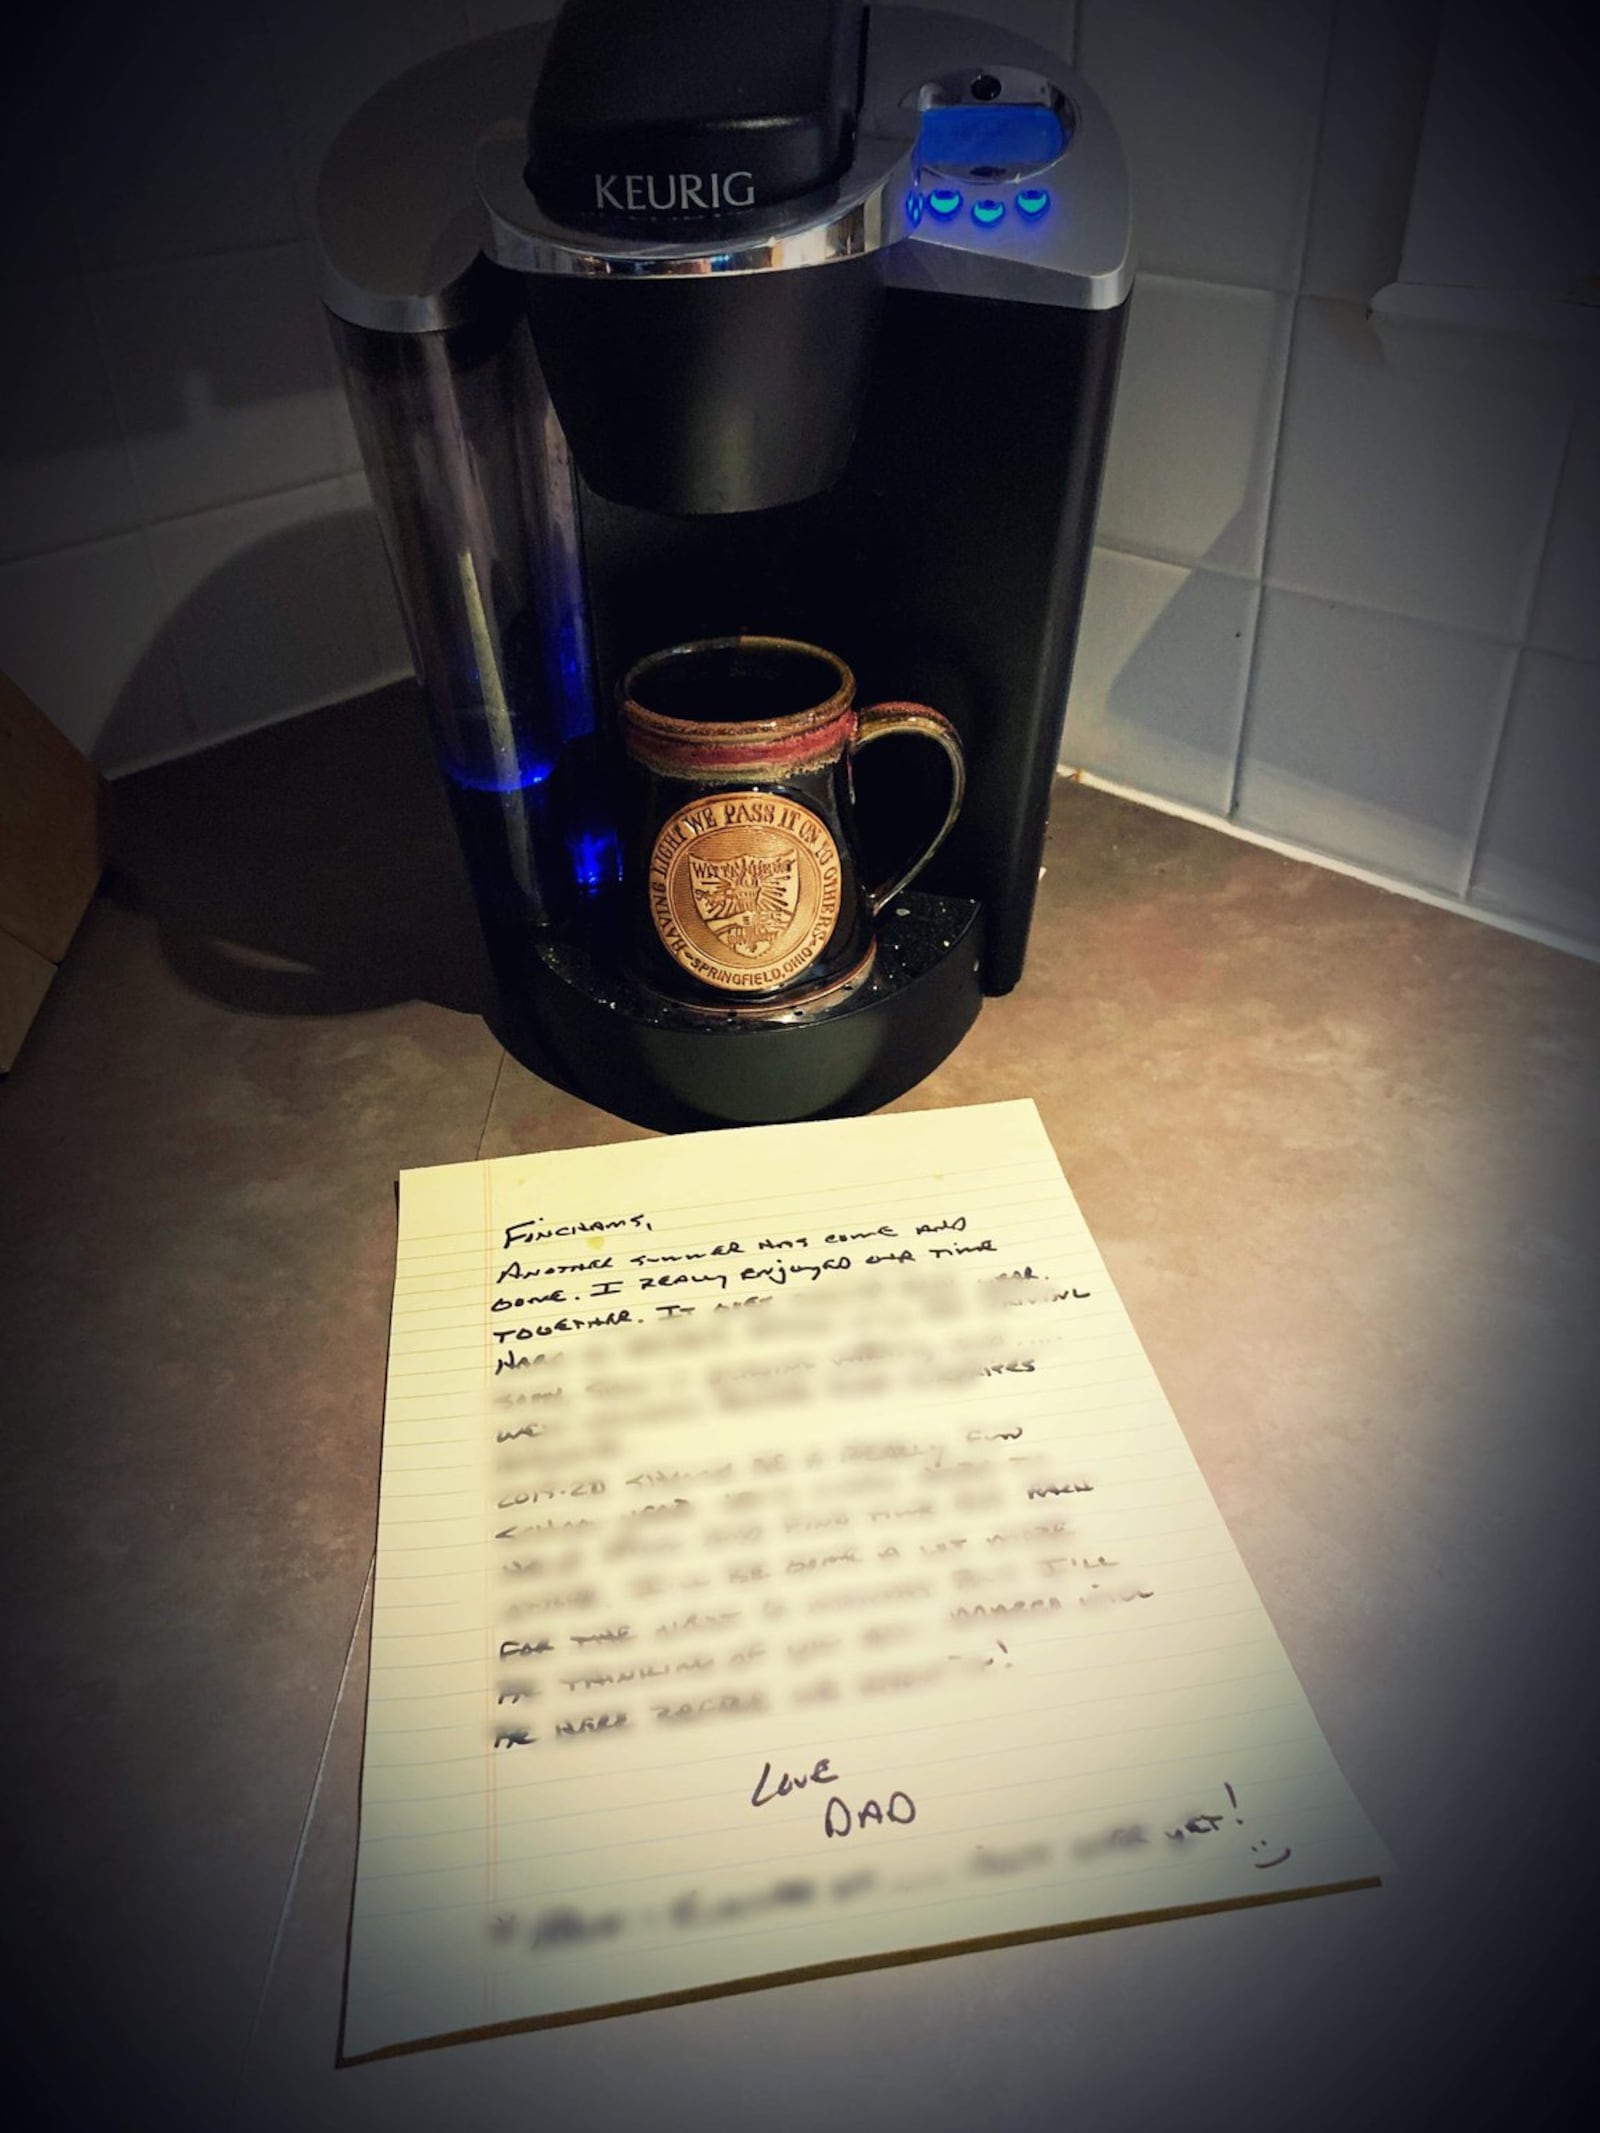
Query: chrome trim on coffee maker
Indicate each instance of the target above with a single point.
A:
(867, 210)
(410, 244)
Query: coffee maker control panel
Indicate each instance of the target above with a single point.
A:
(989, 145)
(979, 165)
(1020, 190)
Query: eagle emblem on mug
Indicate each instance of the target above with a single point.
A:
(744, 889)
(747, 901)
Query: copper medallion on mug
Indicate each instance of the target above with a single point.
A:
(743, 876)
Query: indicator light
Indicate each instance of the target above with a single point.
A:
(1033, 202)
(988, 212)
(595, 859)
(913, 207)
(517, 776)
(944, 202)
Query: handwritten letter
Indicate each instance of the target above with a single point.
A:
(787, 1558)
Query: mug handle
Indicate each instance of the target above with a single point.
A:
(881, 719)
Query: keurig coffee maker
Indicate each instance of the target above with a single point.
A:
(733, 379)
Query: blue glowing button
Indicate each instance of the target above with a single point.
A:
(945, 202)
(1033, 202)
(988, 212)
(913, 207)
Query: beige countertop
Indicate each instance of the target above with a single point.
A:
(1340, 1152)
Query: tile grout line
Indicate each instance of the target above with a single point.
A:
(1472, 843)
(1252, 653)
(1227, 574)
(280, 106)
(157, 519)
(1527, 929)
(1296, 298)
(216, 255)
(305, 1834)
(1514, 670)
(140, 533)
(387, 678)
(86, 276)
(352, 538)
(1187, 280)
(307, 238)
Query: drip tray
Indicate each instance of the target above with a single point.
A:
(575, 1017)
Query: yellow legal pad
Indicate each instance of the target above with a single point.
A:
(787, 1560)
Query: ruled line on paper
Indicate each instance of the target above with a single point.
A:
(866, 1740)
(834, 1194)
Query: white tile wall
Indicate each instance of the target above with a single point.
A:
(1418, 488)
(1416, 533)
(1523, 215)
(267, 609)
(1378, 69)
(84, 634)
(64, 471)
(36, 239)
(1539, 855)
(1190, 459)
(484, 17)
(330, 59)
(1217, 104)
(170, 358)
(224, 377)
(1158, 683)
(171, 143)
(347, 451)
(1370, 736)
(1049, 22)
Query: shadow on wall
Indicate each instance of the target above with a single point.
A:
(1330, 760)
(309, 867)
(1169, 695)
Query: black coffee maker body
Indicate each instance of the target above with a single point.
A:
(680, 319)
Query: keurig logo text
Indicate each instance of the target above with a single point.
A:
(636, 192)
(744, 889)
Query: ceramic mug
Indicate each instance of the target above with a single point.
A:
(743, 874)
